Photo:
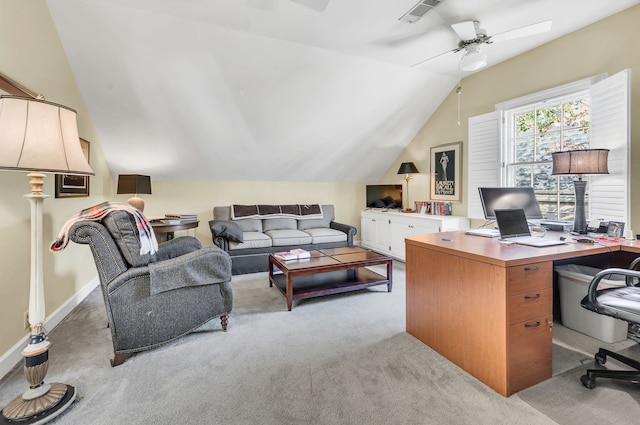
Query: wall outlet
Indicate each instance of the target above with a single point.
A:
(26, 320)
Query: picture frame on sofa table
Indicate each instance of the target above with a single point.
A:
(446, 163)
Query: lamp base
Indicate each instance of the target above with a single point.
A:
(136, 202)
(41, 409)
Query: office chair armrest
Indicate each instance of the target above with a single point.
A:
(593, 286)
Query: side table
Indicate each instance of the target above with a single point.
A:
(164, 231)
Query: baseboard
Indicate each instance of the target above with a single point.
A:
(11, 359)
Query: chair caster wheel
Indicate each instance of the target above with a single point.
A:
(600, 358)
(588, 382)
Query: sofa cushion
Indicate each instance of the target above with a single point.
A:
(288, 237)
(279, 224)
(250, 225)
(325, 235)
(328, 215)
(251, 240)
(124, 231)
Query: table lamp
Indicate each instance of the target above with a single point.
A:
(134, 184)
(580, 162)
(38, 137)
(408, 168)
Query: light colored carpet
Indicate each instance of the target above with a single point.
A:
(343, 359)
(564, 399)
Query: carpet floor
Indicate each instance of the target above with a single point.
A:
(340, 359)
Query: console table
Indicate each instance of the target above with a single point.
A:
(385, 231)
(487, 307)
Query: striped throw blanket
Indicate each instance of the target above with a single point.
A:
(148, 243)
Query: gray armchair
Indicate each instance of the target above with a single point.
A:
(154, 299)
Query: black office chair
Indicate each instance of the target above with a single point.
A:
(622, 303)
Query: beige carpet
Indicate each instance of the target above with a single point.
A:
(564, 399)
(343, 359)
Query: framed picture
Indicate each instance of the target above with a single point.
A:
(446, 165)
(69, 186)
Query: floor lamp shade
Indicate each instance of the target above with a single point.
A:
(408, 168)
(39, 137)
(580, 162)
(134, 184)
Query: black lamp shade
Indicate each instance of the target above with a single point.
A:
(408, 168)
(134, 183)
(589, 161)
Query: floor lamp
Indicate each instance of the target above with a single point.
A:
(39, 137)
(580, 162)
(408, 168)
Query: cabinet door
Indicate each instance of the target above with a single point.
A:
(383, 234)
(403, 228)
(368, 234)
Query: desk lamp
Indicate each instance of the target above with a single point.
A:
(408, 168)
(580, 162)
(135, 184)
(38, 137)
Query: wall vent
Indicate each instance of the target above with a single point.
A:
(419, 10)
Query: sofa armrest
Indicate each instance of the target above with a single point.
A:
(176, 247)
(346, 228)
(223, 231)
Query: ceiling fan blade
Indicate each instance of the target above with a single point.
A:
(465, 30)
(317, 5)
(532, 29)
(436, 56)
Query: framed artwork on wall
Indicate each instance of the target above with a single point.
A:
(446, 165)
(70, 186)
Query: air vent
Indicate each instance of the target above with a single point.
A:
(419, 10)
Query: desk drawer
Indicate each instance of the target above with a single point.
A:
(529, 353)
(530, 304)
(530, 277)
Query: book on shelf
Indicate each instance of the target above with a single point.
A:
(294, 254)
(433, 207)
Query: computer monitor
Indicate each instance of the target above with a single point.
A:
(493, 198)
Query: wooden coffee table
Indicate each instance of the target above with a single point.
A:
(328, 271)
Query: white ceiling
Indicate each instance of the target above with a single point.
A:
(273, 89)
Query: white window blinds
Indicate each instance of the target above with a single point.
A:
(484, 167)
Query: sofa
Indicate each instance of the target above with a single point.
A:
(250, 232)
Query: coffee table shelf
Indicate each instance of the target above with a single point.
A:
(329, 271)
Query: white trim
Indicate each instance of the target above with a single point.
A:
(548, 94)
(10, 359)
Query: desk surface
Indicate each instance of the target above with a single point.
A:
(489, 250)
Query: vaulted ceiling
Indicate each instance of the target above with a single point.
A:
(304, 90)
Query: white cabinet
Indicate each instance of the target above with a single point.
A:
(385, 232)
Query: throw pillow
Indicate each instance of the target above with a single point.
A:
(228, 230)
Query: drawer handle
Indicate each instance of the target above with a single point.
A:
(532, 297)
(531, 268)
(535, 325)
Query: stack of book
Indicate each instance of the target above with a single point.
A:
(294, 254)
(178, 218)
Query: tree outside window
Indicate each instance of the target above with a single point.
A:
(536, 132)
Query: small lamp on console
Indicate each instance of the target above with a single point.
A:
(38, 137)
(580, 162)
(134, 184)
(408, 168)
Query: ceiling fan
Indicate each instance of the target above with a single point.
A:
(472, 37)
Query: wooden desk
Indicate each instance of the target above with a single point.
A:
(164, 232)
(487, 307)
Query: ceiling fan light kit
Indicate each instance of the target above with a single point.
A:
(472, 36)
(473, 58)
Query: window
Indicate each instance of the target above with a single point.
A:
(512, 146)
(533, 132)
